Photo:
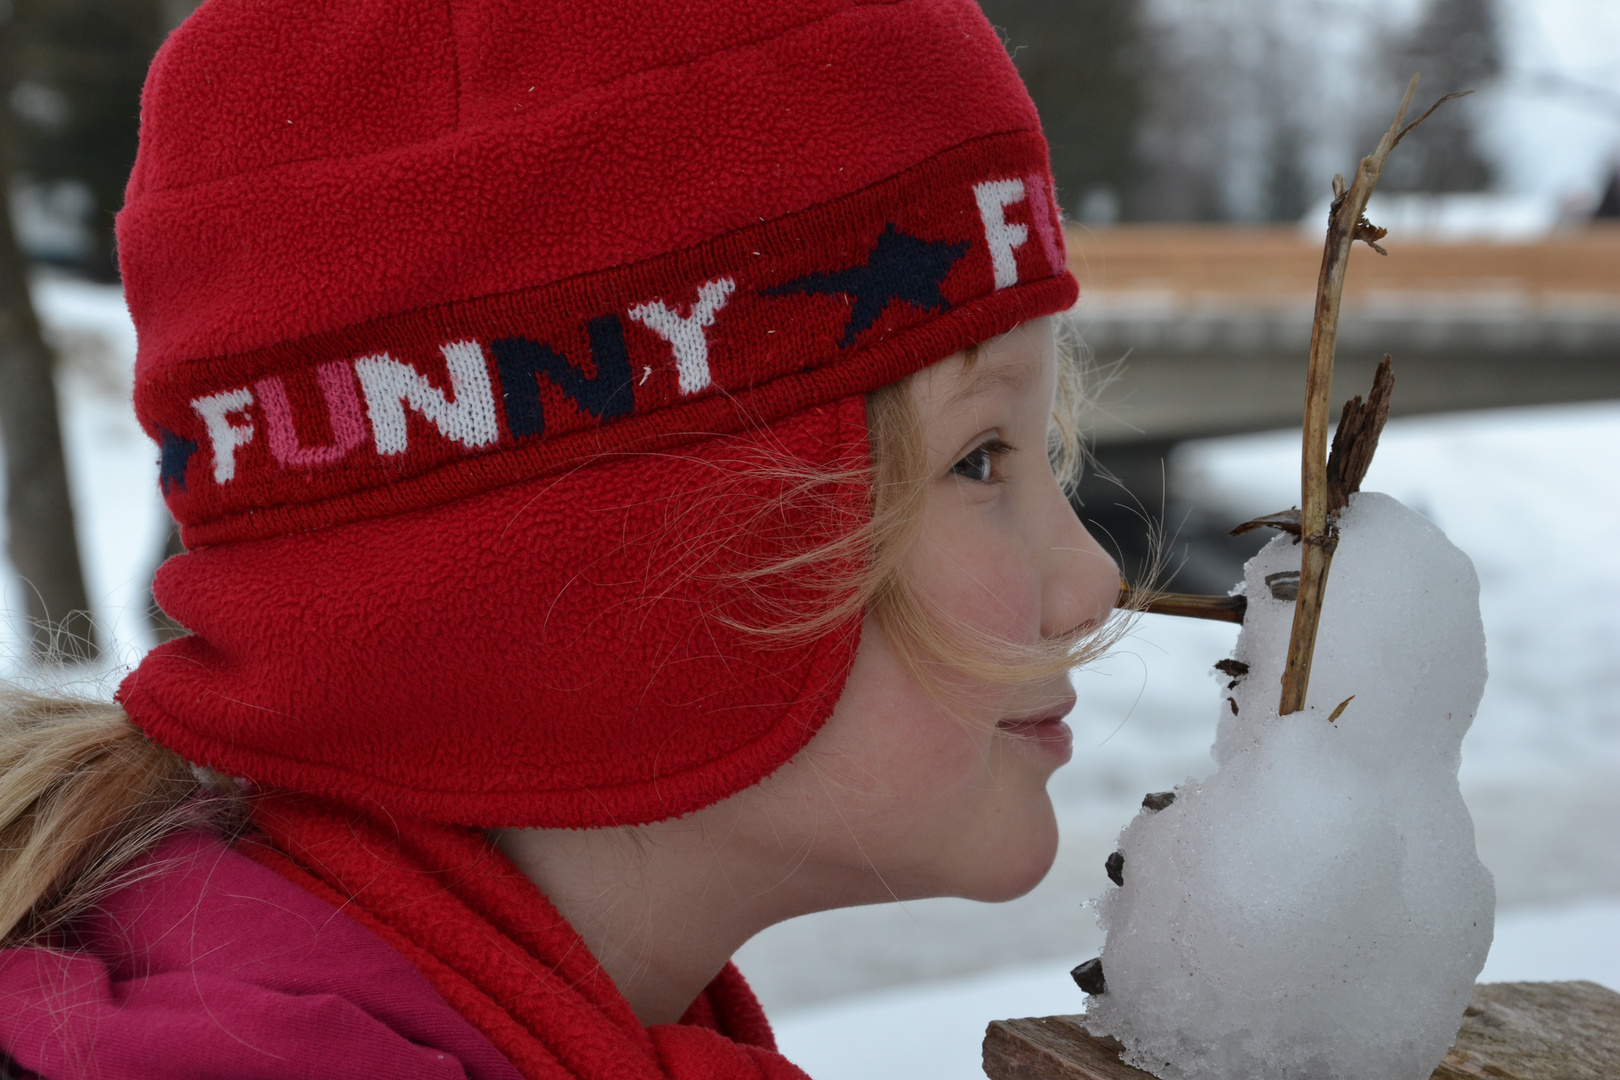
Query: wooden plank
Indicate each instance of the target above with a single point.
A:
(1537, 1031)
(1214, 323)
(1265, 262)
(1510, 1031)
(1052, 1048)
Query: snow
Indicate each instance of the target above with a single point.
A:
(1315, 906)
(934, 1030)
(1530, 494)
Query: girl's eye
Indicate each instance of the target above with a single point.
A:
(979, 464)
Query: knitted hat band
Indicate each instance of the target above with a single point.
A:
(412, 410)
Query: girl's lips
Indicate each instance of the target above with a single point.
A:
(1047, 731)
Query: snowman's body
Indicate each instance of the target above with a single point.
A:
(1315, 909)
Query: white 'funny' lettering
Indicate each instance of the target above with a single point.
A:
(994, 196)
(685, 336)
(225, 436)
(389, 386)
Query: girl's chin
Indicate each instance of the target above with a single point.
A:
(1020, 857)
(1013, 882)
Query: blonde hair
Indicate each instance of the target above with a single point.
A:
(83, 792)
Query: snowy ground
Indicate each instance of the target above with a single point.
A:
(905, 990)
(933, 1030)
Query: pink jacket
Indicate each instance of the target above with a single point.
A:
(210, 965)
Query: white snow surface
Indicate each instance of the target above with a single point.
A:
(933, 1030)
(1315, 908)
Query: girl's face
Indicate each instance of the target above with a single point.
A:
(899, 796)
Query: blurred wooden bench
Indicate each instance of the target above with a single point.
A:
(1215, 322)
(1511, 1031)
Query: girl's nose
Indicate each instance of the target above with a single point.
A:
(1081, 579)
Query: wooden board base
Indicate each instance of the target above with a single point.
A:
(1510, 1031)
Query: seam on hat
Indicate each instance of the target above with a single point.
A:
(853, 10)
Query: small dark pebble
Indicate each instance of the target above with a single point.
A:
(1284, 585)
(1232, 702)
(1158, 800)
(1234, 668)
(1089, 976)
(1116, 867)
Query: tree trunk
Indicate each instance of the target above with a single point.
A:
(42, 543)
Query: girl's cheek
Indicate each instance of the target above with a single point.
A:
(976, 564)
(997, 596)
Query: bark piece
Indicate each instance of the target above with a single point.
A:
(1052, 1048)
(1089, 976)
(1356, 438)
(1284, 585)
(1286, 520)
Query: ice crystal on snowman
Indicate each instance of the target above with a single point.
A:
(1315, 908)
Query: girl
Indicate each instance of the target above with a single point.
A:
(612, 444)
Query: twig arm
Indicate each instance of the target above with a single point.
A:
(1219, 608)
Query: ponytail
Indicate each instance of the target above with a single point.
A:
(83, 793)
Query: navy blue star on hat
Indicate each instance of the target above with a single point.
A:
(900, 267)
(177, 451)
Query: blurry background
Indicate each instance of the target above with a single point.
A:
(1193, 142)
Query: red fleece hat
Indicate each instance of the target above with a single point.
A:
(465, 329)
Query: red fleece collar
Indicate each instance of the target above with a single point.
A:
(497, 950)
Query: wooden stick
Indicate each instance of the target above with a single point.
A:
(1218, 608)
(1347, 223)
